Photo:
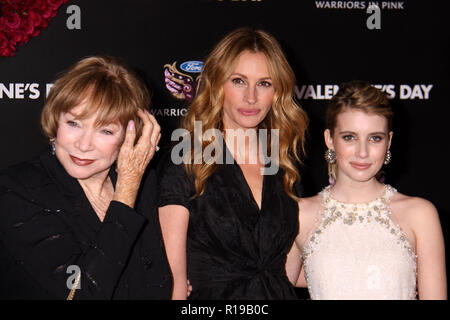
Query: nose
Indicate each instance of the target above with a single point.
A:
(84, 141)
(362, 150)
(251, 95)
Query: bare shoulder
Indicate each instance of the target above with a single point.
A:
(309, 213)
(415, 209)
(310, 206)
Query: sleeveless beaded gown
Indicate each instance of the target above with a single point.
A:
(358, 252)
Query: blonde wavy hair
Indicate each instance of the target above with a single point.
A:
(285, 114)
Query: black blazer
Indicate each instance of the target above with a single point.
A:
(47, 224)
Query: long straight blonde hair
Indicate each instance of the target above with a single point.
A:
(285, 114)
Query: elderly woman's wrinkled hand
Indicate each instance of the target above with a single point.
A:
(134, 158)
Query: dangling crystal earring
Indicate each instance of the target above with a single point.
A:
(330, 156)
(53, 140)
(387, 157)
(331, 180)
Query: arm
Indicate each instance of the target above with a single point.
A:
(294, 267)
(431, 272)
(308, 208)
(43, 242)
(301, 282)
(46, 242)
(293, 264)
(174, 221)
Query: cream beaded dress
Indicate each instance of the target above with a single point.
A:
(358, 252)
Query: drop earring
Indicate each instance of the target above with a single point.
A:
(330, 156)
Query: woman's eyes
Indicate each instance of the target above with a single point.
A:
(262, 83)
(72, 123)
(376, 138)
(237, 81)
(265, 84)
(350, 137)
(107, 132)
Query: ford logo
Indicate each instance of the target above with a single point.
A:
(192, 66)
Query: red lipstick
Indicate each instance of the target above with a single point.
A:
(81, 162)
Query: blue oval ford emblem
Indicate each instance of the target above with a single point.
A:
(192, 66)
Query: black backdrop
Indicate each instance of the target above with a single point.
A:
(327, 42)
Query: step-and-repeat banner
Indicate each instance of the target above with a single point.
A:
(402, 47)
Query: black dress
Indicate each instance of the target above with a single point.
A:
(234, 249)
(47, 224)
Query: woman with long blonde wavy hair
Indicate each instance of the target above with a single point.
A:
(228, 220)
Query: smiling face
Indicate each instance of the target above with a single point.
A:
(360, 141)
(85, 149)
(248, 92)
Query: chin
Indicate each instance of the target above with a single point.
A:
(79, 173)
(363, 177)
(359, 176)
(249, 124)
(82, 173)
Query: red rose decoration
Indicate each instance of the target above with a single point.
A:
(12, 20)
(20, 20)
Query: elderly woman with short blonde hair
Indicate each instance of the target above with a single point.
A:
(80, 221)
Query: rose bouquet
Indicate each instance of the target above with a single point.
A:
(20, 20)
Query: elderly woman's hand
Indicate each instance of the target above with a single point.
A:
(134, 158)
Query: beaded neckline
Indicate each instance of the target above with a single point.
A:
(388, 191)
(350, 213)
(355, 215)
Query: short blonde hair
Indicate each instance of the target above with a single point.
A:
(108, 87)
